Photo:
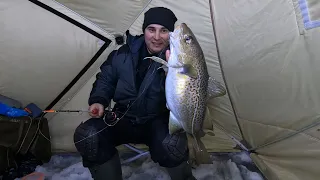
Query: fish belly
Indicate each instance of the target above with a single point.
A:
(175, 92)
(184, 101)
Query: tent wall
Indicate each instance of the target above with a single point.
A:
(74, 16)
(120, 13)
(271, 63)
(40, 52)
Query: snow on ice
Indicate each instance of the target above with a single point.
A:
(227, 166)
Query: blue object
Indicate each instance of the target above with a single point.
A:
(12, 112)
(308, 23)
(34, 110)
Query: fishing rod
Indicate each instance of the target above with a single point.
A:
(95, 111)
(108, 116)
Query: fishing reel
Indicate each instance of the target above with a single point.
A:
(110, 117)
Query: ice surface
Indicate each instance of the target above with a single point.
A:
(228, 166)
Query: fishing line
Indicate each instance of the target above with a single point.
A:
(107, 125)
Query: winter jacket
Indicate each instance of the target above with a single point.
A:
(117, 81)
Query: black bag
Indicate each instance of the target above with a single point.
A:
(22, 135)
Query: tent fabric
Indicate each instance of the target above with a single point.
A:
(273, 87)
(120, 13)
(77, 17)
(270, 69)
(268, 61)
(36, 44)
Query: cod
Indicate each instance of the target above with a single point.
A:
(188, 87)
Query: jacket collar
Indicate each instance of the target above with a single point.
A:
(135, 43)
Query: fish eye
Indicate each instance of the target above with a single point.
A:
(188, 39)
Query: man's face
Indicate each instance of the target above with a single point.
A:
(156, 38)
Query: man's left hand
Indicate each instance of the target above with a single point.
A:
(167, 57)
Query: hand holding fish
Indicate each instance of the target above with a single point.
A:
(167, 58)
(167, 55)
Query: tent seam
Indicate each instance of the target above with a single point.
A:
(295, 132)
(135, 19)
(111, 35)
(230, 136)
(90, 75)
(290, 136)
(222, 71)
(80, 74)
(63, 104)
(272, 125)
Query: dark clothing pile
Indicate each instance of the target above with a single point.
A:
(26, 164)
(168, 151)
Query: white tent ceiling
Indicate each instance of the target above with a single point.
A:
(267, 56)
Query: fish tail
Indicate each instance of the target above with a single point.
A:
(198, 153)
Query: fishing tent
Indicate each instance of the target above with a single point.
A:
(265, 52)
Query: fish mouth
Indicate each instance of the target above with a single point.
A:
(179, 26)
(174, 37)
(175, 47)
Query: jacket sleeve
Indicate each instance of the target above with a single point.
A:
(103, 88)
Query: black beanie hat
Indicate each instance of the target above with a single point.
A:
(159, 15)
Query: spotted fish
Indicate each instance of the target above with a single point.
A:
(188, 87)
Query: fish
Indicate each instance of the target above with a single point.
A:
(188, 87)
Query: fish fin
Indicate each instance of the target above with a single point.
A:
(174, 125)
(190, 71)
(157, 59)
(211, 133)
(198, 153)
(164, 67)
(215, 88)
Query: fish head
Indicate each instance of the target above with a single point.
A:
(184, 47)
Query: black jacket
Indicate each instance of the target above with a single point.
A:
(117, 81)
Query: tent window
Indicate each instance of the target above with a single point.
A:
(310, 11)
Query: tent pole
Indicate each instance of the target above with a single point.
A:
(72, 21)
(81, 73)
(111, 35)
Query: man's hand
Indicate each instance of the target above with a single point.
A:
(96, 110)
(167, 57)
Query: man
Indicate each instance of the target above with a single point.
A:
(137, 87)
